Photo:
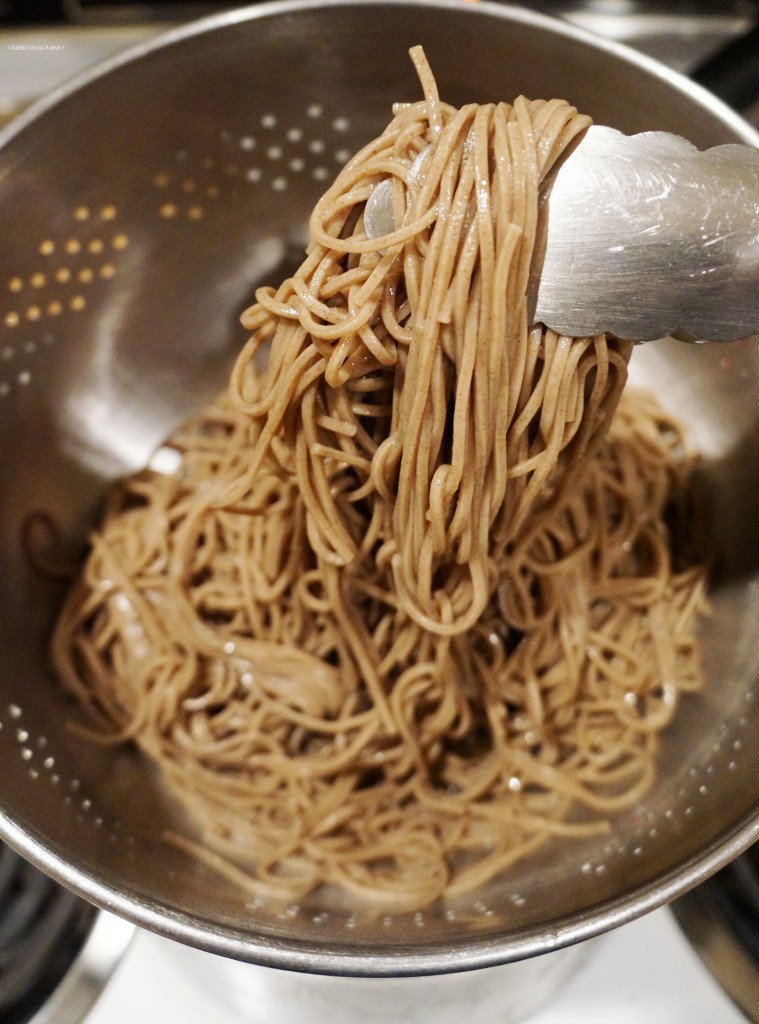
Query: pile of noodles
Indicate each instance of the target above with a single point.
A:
(409, 606)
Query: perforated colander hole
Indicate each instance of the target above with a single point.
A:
(73, 786)
(593, 868)
(62, 270)
(278, 150)
(31, 749)
(289, 913)
(184, 195)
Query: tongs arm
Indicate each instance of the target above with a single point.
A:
(646, 236)
(641, 236)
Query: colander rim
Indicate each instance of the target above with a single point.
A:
(340, 958)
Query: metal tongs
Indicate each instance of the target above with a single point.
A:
(642, 236)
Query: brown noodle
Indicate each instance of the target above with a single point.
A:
(409, 607)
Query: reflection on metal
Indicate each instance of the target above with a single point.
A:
(646, 236)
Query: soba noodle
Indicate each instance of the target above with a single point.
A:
(409, 607)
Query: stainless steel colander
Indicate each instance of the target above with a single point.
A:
(139, 208)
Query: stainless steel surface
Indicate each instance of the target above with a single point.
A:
(642, 973)
(681, 35)
(650, 207)
(139, 210)
(81, 988)
(34, 61)
(502, 994)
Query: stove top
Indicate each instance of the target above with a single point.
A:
(643, 973)
(649, 971)
(42, 929)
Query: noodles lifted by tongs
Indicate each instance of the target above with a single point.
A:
(409, 608)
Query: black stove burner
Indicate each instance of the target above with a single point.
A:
(42, 930)
(53, 12)
(737, 896)
(733, 72)
(720, 918)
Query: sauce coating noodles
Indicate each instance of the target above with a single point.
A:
(409, 606)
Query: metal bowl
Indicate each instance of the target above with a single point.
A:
(140, 207)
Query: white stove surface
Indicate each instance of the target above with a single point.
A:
(642, 973)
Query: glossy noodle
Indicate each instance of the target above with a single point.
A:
(410, 605)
